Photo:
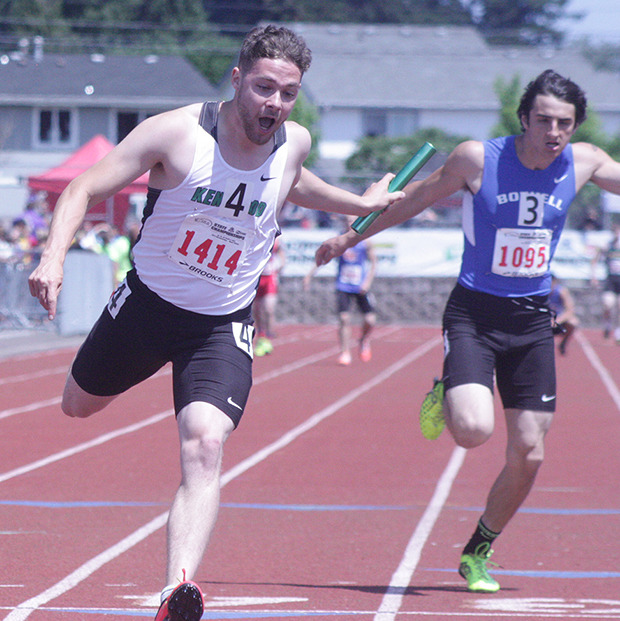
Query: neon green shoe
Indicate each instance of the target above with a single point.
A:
(473, 568)
(263, 346)
(432, 420)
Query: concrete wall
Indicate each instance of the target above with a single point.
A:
(401, 300)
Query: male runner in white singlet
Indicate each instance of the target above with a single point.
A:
(517, 193)
(219, 174)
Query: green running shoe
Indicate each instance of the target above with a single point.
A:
(263, 346)
(473, 568)
(432, 420)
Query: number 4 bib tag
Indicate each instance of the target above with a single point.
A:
(210, 248)
(522, 252)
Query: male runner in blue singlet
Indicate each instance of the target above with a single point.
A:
(610, 255)
(219, 175)
(356, 272)
(517, 191)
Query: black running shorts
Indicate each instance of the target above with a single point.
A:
(613, 284)
(511, 339)
(139, 332)
(364, 302)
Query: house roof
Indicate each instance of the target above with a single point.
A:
(434, 67)
(101, 80)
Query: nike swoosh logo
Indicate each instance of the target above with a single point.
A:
(546, 398)
(557, 180)
(263, 178)
(229, 400)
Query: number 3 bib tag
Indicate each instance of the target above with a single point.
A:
(521, 252)
(210, 248)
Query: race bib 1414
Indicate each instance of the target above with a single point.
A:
(210, 248)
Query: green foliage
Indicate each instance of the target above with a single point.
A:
(380, 154)
(604, 56)
(307, 115)
(338, 11)
(591, 130)
(194, 27)
(376, 155)
(519, 22)
(212, 64)
(509, 95)
(613, 147)
(589, 196)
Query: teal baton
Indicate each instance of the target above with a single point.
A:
(402, 178)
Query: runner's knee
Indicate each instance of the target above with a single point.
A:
(470, 415)
(77, 403)
(203, 432)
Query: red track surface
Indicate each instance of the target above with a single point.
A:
(334, 506)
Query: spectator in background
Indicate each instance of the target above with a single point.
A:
(118, 248)
(611, 292)
(264, 307)
(20, 236)
(356, 272)
(562, 304)
(591, 220)
(6, 248)
(86, 238)
(36, 216)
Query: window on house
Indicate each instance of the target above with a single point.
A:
(402, 123)
(125, 122)
(64, 125)
(374, 122)
(55, 127)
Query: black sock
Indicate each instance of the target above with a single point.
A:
(481, 535)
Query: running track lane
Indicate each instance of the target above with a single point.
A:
(333, 504)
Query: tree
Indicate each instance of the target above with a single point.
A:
(509, 94)
(251, 12)
(605, 56)
(307, 115)
(178, 27)
(376, 155)
(519, 22)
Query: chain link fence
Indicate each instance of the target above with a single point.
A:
(18, 309)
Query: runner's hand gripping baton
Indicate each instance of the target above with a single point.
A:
(401, 179)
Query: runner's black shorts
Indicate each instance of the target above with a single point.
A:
(138, 333)
(612, 283)
(511, 337)
(364, 301)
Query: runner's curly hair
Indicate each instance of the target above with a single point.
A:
(274, 42)
(551, 83)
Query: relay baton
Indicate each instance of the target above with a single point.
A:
(401, 179)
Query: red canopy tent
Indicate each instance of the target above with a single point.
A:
(54, 181)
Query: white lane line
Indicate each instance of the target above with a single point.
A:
(295, 366)
(392, 600)
(599, 367)
(31, 407)
(80, 448)
(401, 578)
(25, 609)
(162, 372)
(22, 409)
(314, 420)
(28, 377)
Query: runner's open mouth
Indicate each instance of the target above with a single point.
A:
(266, 122)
